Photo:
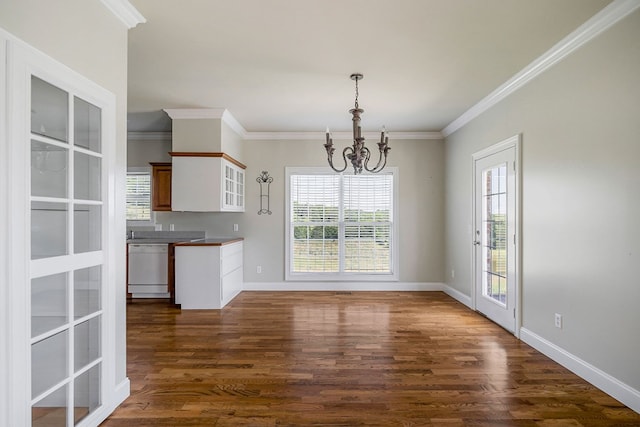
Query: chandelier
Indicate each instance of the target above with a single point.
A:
(358, 154)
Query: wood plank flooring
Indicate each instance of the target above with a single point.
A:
(341, 359)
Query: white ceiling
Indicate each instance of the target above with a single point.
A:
(284, 65)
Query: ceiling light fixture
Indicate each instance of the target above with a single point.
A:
(358, 154)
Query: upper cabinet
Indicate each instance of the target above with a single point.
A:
(161, 186)
(206, 182)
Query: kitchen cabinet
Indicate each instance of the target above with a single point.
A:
(161, 186)
(207, 182)
(208, 274)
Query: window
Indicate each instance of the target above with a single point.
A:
(139, 194)
(340, 227)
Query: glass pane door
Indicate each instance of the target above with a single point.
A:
(494, 239)
(495, 234)
(67, 216)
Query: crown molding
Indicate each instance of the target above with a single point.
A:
(125, 11)
(601, 21)
(224, 115)
(207, 113)
(265, 136)
(299, 136)
(149, 136)
(195, 113)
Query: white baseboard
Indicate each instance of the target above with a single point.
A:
(457, 295)
(119, 395)
(342, 286)
(605, 382)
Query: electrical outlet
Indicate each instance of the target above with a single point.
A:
(259, 269)
(558, 320)
(453, 273)
(235, 227)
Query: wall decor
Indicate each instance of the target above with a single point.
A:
(264, 180)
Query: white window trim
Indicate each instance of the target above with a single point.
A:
(152, 220)
(394, 276)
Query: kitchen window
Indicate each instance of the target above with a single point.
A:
(341, 226)
(139, 195)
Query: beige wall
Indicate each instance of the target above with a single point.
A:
(581, 175)
(421, 207)
(421, 201)
(89, 39)
(141, 152)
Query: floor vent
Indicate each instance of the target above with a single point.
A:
(343, 293)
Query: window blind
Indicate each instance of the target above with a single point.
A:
(138, 196)
(341, 223)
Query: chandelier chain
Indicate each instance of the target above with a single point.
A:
(356, 92)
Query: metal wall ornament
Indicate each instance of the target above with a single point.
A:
(358, 154)
(264, 180)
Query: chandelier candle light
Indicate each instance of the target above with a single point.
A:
(358, 154)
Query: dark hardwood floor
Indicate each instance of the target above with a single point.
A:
(340, 359)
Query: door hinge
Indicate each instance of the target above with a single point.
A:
(514, 313)
(514, 239)
(514, 166)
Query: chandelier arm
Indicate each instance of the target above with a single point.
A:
(383, 147)
(344, 157)
(382, 159)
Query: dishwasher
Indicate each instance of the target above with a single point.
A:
(148, 270)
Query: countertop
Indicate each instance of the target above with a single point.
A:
(215, 241)
(158, 241)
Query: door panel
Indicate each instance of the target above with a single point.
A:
(68, 217)
(495, 235)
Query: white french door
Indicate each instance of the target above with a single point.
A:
(61, 143)
(495, 233)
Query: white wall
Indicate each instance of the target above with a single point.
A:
(89, 39)
(581, 174)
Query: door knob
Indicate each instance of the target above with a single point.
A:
(476, 242)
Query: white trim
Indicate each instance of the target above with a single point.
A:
(514, 142)
(5, 331)
(195, 113)
(320, 136)
(120, 394)
(22, 62)
(601, 21)
(605, 382)
(281, 136)
(457, 295)
(125, 11)
(394, 276)
(149, 136)
(233, 124)
(207, 113)
(343, 286)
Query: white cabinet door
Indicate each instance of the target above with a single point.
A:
(233, 199)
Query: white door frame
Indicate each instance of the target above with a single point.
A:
(19, 62)
(516, 143)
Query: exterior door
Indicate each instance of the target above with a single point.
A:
(495, 236)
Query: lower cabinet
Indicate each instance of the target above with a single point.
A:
(207, 276)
